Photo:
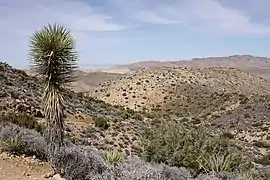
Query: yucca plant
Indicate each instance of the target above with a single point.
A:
(112, 157)
(53, 58)
(12, 145)
(219, 162)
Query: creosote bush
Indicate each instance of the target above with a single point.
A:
(178, 145)
(101, 122)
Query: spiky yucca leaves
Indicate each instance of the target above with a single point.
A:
(112, 157)
(53, 57)
(12, 145)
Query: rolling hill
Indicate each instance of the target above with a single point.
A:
(224, 99)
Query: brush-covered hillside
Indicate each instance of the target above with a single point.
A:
(88, 121)
(226, 100)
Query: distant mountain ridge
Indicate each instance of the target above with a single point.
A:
(257, 65)
(89, 78)
(226, 61)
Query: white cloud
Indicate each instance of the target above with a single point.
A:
(205, 14)
(212, 13)
(152, 17)
(76, 15)
(82, 17)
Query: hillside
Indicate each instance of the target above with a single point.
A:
(85, 117)
(224, 99)
(149, 87)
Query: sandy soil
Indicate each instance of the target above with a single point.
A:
(23, 168)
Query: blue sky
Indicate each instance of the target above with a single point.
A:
(110, 32)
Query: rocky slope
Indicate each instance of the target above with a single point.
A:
(88, 121)
(224, 99)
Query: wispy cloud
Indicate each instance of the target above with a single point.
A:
(113, 31)
(210, 13)
(205, 14)
(117, 15)
(33, 14)
(154, 18)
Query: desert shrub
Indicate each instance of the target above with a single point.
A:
(134, 168)
(85, 163)
(101, 122)
(23, 120)
(138, 116)
(14, 94)
(79, 163)
(179, 145)
(227, 134)
(80, 94)
(124, 114)
(33, 143)
(131, 111)
(112, 157)
(82, 163)
(12, 145)
(29, 142)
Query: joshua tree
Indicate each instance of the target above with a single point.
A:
(53, 58)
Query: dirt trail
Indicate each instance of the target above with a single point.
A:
(22, 168)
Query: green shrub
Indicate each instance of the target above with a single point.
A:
(12, 145)
(23, 120)
(179, 145)
(101, 122)
(124, 114)
(112, 157)
(227, 135)
(80, 94)
(138, 116)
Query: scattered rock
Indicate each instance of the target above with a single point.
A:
(57, 177)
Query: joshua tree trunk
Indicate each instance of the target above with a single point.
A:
(54, 124)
